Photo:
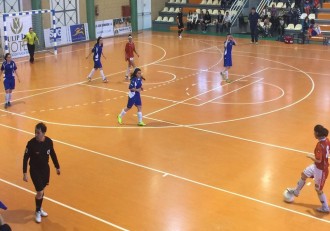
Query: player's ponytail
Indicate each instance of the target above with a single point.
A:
(321, 131)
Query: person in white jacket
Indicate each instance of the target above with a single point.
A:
(194, 20)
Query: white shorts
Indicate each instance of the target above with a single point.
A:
(319, 176)
(131, 59)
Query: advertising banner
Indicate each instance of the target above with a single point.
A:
(122, 26)
(78, 33)
(62, 36)
(104, 28)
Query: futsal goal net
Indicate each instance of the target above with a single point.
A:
(14, 27)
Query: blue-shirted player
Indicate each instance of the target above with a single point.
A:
(9, 67)
(97, 53)
(134, 97)
(227, 57)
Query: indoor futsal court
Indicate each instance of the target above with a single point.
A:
(213, 156)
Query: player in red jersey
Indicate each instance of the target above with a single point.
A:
(129, 55)
(319, 169)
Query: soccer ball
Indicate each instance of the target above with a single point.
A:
(288, 197)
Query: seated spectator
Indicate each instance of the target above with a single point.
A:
(314, 29)
(288, 16)
(281, 27)
(267, 28)
(307, 6)
(219, 20)
(226, 22)
(206, 21)
(263, 13)
(305, 25)
(189, 20)
(296, 15)
(194, 20)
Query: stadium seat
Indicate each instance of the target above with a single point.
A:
(209, 2)
(204, 11)
(303, 16)
(215, 2)
(177, 10)
(292, 5)
(298, 27)
(198, 11)
(203, 2)
(271, 3)
(290, 27)
(311, 16)
(184, 1)
(210, 11)
(165, 9)
(165, 19)
(159, 19)
(171, 1)
(171, 19)
(177, 1)
(279, 5)
(171, 10)
(215, 12)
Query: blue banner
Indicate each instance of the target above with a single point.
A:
(78, 32)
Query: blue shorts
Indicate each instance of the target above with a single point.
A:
(9, 83)
(97, 64)
(136, 100)
(227, 62)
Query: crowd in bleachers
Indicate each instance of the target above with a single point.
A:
(220, 17)
(298, 15)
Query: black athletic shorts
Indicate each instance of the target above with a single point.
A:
(40, 177)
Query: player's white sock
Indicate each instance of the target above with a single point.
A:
(226, 73)
(91, 73)
(122, 113)
(128, 71)
(300, 185)
(139, 115)
(323, 200)
(7, 97)
(102, 74)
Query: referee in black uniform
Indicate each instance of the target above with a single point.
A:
(38, 151)
(179, 20)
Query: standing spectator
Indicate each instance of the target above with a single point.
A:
(194, 20)
(31, 38)
(134, 97)
(288, 15)
(97, 53)
(296, 15)
(253, 19)
(206, 21)
(219, 25)
(227, 58)
(129, 55)
(319, 170)
(226, 22)
(189, 20)
(307, 6)
(179, 20)
(281, 28)
(305, 25)
(38, 150)
(264, 13)
(9, 67)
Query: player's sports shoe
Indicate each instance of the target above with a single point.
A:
(89, 78)
(223, 75)
(141, 124)
(257, 43)
(9, 104)
(292, 191)
(43, 213)
(120, 121)
(105, 80)
(323, 210)
(3, 206)
(228, 81)
(38, 217)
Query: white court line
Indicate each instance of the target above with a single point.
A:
(265, 101)
(237, 89)
(163, 173)
(313, 73)
(193, 69)
(66, 206)
(174, 77)
(162, 109)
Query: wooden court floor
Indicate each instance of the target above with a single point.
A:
(213, 156)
